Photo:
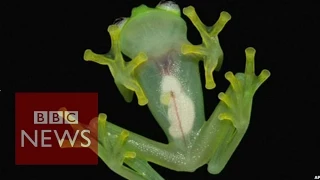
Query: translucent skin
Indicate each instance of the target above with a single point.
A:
(156, 30)
(164, 74)
(161, 35)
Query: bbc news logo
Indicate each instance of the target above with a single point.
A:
(55, 117)
(49, 134)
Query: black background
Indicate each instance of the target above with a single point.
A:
(43, 52)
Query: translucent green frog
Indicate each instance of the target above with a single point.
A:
(164, 74)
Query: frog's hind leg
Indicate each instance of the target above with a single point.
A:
(234, 111)
(113, 153)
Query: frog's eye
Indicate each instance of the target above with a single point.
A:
(120, 22)
(169, 6)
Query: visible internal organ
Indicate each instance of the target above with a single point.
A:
(181, 112)
(166, 65)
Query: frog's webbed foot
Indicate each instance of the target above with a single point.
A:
(113, 152)
(122, 72)
(210, 50)
(116, 154)
(239, 97)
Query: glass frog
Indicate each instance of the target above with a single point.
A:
(164, 75)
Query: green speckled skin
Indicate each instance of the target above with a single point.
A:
(164, 74)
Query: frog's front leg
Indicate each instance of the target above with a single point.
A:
(210, 50)
(122, 72)
(232, 115)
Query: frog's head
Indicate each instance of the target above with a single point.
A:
(168, 6)
(152, 30)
